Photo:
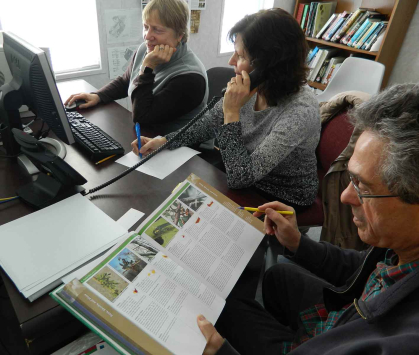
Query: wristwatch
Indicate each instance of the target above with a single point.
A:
(146, 70)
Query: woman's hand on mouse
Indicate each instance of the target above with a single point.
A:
(148, 145)
(237, 94)
(91, 99)
(160, 55)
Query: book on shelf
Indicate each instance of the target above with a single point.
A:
(312, 11)
(358, 44)
(333, 25)
(351, 20)
(361, 32)
(359, 23)
(372, 34)
(376, 43)
(322, 71)
(312, 54)
(305, 17)
(322, 55)
(347, 19)
(337, 25)
(333, 61)
(144, 295)
(323, 13)
(326, 25)
(300, 12)
(332, 72)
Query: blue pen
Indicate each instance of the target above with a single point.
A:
(137, 130)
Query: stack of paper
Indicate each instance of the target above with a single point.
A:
(39, 249)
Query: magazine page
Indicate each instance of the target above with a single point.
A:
(205, 233)
(140, 283)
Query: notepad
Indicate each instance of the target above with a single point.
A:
(40, 248)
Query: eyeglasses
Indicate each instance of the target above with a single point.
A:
(355, 183)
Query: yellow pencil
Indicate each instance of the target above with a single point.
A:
(109, 157)
(252, 209)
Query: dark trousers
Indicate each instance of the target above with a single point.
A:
(288, 289)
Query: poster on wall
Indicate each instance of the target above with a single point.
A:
(119, 59)
(198, 4)
(195, 20)
(123, 25)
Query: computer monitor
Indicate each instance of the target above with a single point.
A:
(32, 84)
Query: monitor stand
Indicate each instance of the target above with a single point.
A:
(51, 144)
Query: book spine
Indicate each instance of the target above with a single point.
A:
(329, 66)
(304, 20)
(378, 39)
(310, 17)
(326, 25)
(355, 28)
(357, 33)
(340, 29)
(367, 34)
(348, 25)
(373, 36)
(322, 70)
(300, 13)
(331, 26)
(361, 34)
(335, 28)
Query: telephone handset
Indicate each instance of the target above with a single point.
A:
(255, 80)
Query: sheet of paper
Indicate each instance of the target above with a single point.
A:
(123, 25)
(198, 4)
(131, 217)
(161, 165)
(39, 245)
(119, 59)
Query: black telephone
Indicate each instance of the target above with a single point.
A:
(255, 80)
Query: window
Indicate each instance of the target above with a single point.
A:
(235, 10)
(68, 28)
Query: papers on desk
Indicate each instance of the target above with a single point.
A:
(40, 248)
(161, 165)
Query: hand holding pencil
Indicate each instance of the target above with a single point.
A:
(283, 226)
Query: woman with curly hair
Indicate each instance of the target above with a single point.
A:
(268, 136)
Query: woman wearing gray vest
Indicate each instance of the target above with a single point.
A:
(165, 80)
(268, 136)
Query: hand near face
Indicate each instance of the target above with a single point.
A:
(285, 227)
(213, 338)
(160, 55)
(237, 94)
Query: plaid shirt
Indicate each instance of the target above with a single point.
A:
(318, 320)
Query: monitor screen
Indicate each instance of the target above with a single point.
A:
(32, 84)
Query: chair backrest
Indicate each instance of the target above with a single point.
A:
(355, 74)
(218, 77)
(335, 136)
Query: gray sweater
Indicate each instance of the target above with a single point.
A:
(273, 149)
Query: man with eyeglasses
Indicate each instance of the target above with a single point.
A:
(337, 301)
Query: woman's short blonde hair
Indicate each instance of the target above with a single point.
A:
(172, 13)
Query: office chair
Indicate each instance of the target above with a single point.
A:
(355, 74)
(218, 77)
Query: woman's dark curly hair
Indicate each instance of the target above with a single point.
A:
(278, 49)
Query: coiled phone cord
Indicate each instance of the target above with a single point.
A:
(210, 105)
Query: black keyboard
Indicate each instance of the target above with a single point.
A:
(97, 143)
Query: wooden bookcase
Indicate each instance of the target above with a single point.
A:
(399, 12)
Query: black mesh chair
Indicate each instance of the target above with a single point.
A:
(218, 77)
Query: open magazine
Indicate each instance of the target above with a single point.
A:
(184, 259)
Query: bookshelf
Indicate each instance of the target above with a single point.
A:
(399, 12)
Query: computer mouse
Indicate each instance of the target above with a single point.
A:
(75, 104)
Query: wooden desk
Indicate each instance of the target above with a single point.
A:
(135, 190)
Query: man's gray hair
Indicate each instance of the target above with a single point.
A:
(393, 115)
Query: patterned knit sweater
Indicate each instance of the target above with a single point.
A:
(273, 149)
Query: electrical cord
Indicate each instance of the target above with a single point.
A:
(210, 105)
(4, 200)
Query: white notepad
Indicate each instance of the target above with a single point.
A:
(47, 244)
